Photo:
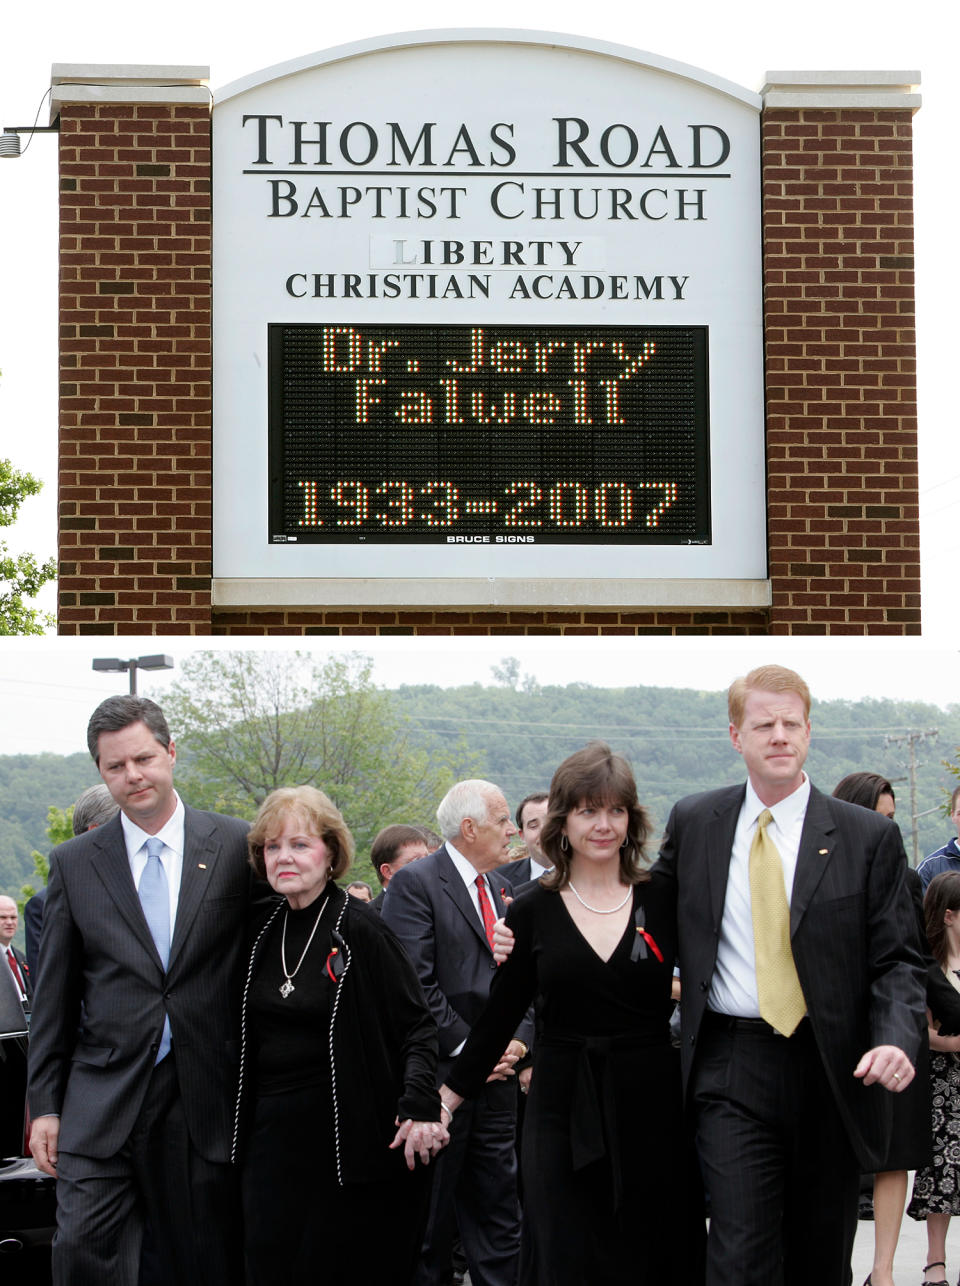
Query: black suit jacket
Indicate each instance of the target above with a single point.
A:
(32, 928)
(429, 909)
(514, 875)
(102, 993)
(853, 932)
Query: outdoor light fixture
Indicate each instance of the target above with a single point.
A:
(115, 665)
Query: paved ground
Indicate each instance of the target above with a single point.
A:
(911, 1251)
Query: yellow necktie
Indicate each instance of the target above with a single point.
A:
(778, 987)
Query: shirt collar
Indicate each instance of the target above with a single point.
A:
(786, 812)
(465, 868)
(171, 832)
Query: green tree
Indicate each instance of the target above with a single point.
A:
(249, 722)
(59, 829)
(21, 575)
(507, 673)
(953, 768)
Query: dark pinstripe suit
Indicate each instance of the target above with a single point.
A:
(853, 933)
(429, 909)
(103, 998)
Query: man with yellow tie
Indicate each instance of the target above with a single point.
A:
(803, 996)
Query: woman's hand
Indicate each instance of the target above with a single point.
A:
(420, 1138)
(943, 1044)
(511, 1055)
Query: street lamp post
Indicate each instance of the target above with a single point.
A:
(115, 665)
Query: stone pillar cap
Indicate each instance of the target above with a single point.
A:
(126, 83)
(871, 89)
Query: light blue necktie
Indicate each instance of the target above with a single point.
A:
(155, 900)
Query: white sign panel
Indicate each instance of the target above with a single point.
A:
(487, 309)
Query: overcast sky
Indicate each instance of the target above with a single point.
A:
(740, 42)
(48, 689)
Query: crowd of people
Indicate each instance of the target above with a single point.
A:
(246, 1068)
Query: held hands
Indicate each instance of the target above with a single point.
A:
(44, 1134)
(514, 1051)
(885, 1065)
(419, 1138)
(502, 941)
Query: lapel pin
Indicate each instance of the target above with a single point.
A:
(824, 852)
(203, 866)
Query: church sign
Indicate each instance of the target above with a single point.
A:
(487, 310)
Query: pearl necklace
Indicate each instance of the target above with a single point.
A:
(595, 909)
(286, 987)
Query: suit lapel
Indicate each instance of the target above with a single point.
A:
(455, 889)
(109, 860)
(720, 832)
(201, 850)
(818, 842)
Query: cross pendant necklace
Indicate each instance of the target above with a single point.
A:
(286, 987)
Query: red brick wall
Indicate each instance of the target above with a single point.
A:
(841, 382)
(577, 621)
(135, 484)
(135, 369)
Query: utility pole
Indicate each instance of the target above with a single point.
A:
(911, 740)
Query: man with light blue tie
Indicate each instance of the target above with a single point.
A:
(133, 1049)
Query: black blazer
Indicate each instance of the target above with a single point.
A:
(102, 993)
(853, 932)
(382, 1039)
(429, 909)
(513, 875)
(32, 928)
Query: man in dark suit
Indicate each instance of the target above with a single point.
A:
(133, 1047)
(531, 812)
(393, 848)
(800, 1009)
(442, 908)
(16, 960)
(94, 806)
(13, 1069)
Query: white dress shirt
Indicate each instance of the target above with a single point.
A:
(468, 873)
(171, 859)
(733, 989)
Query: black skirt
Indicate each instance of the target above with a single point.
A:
(301, 1226)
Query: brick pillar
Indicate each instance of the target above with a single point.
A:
(135, 361)
(840, 351)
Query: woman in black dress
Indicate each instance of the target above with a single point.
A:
(338, 1068)
(608, 1193)
(936, 1188)
(910, 1142)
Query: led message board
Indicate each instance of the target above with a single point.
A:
(489, 434)
(487, 327)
